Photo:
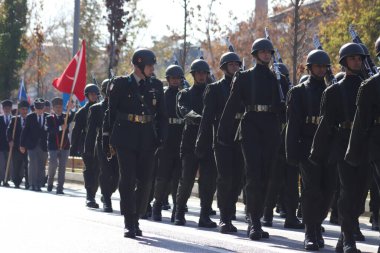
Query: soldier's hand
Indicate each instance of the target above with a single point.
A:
(11, 144)
(64, 127)
(22, 150)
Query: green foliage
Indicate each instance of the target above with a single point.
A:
(363, 14)
(12, 54)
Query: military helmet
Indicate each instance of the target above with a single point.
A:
(365, 49)
(283, 69)
(377, 47)
(39, 103)
(174, 71)
(104, 85)
(91, 88)
(318, 56)
(350, 49)
(199, 65)
(303, 78)
(339, 76)
(229, 57)
(143, 56)
(262, 44)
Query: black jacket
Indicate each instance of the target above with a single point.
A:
(337, 109)
(16, 141)
(124, 100)
(79, 130)
(33, 134)
(94, 127)
(303, 103)
(54, 125)
(174, 130)
(3, 134)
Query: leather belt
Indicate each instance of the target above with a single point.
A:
(345, 125)
(135, 118)
(239, 116)
(259, 108)
(176, 121)
(312, 120)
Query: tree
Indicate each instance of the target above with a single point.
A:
(364, 15)
(13, 18)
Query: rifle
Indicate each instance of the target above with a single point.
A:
(369, 65)
(330, 76)
(243, 67)
(200, 56)
(229, 45)
(275, 68)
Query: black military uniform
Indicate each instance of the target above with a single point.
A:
(318, 181)
(91, 170)
(5, 119)
(20, 160)
(364, 139)
(337, 113)
(229, 159)
(258, 90)
(190, 106)
(168, 157)
(109, 169)
(138, 120)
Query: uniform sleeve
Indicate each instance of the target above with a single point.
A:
(293, 128)
(226, 134)
(51, 128)
(162, 116)
(114, 98)
(79, 125)
(185, 109)
(92, 127)
(205, 133)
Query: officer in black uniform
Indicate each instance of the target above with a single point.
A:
(109, 170)
(259, 91)
(337, 113)
(20, 160)
(91, 170)
(190, 106)
(139, 122)
(168, 157)
(303, 104)
(229, 159)
(364, 139)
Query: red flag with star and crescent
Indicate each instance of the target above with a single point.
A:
(73, 79)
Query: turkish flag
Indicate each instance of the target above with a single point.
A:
(73, 79)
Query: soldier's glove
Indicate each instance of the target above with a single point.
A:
(193, 118)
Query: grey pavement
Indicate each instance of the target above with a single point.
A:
(44, 222)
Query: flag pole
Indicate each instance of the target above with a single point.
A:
(71, 95)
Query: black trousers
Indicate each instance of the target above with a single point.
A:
(206, 181)
(91, 174)
(109, 173)
(20, 166)
(374, 195)
(230, 167)
(168, 172)
(136, 175)
(319, 182)
(354, 185)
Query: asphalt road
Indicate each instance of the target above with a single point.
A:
(44, 222)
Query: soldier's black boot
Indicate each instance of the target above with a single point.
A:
(129, 227)
(339, 244)
(225, 224)
(375, 220)
(358, 235)
(310, 242)
(349, 245)
(334, 216)
(156, 211)
(148, 212)
(90, 201)
(205, 221)
(255, 232)
(292, 221)
(267, 220)
(318, 233)
(179, 218)
(137, 226)
(107, 204)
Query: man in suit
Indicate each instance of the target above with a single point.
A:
(58, 152)
(5, 119)
(20, 161)
(34, 140)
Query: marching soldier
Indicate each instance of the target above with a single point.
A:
(229, 159)
(5, 119)
(190, 106)
(20, 161)
(109, 170)
(58, 152)
(337, 113)
(318, 181)
(168, 158)
(91, 170)
(34, 141)
(138, 119)
(258, 90)
(364, 138)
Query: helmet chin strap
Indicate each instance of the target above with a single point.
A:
(142, 69)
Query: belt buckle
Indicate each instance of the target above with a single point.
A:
(260, 108)
(137, 119)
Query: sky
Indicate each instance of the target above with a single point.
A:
(161, 13)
